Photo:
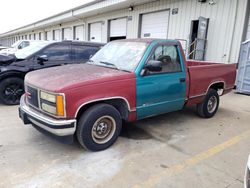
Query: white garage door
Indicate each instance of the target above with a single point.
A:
(32, 36)
(67, 34)
(41, 37)
(96, 32)
(155, 25)
(37, 36)
(118, 27)
(57, 35)
(49, 35)
(79, 32)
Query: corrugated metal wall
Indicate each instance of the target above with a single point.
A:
(225, 30)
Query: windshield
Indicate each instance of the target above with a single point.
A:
(25, 52)
(16, 44)
(120, 55)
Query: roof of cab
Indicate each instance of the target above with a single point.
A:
(147, 40)
(84, 42)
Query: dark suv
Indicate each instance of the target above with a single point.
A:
(38, 56)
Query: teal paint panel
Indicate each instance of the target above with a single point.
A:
(159, 93)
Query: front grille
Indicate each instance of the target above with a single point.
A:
(32, 96)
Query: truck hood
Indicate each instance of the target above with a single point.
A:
(59, 79)
(6, 59)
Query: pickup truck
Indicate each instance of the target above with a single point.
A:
(127, 80)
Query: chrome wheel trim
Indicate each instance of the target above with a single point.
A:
(212, 104)
(103, 129)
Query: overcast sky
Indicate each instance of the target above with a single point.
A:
(17, 13)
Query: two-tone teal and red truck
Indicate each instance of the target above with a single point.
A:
(126, 80)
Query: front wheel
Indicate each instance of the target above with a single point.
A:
(11, 90)
(99, 127)
(210, 104)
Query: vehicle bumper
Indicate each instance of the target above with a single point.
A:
(53, 126)
(247, 175)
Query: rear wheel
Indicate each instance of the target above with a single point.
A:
(210, 104)
(99, 127)
(11, 90)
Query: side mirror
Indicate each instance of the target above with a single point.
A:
(41, 59)
(154, 66)
(19, 47)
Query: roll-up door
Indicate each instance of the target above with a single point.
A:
(49, 35)
(79, 33)
(95, 33)
(37, 36)
(155, 25)
(67, 33)
(57, 35)
(118, 29)
(41, 36)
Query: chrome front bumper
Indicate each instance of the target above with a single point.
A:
(46, 123)
(247, 175)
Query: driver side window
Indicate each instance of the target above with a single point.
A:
(57, 52)
(168, 55)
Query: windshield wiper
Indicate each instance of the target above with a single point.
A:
(109, 64)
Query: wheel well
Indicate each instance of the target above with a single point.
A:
(15, 75)
(217, 86)
(120, 104)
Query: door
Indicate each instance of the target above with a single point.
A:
(41, 36)
(163, 91)
(57, 54)
(67, 33)
(118, 29)
(57, 35)
(37, 36)
(201, 38)
(49, 35)
(95, 32)
(79, 33)
(155, 25)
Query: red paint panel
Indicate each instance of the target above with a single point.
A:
(203, 74)
(82, 83)
(121, 86)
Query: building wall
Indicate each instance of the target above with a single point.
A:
(248, 28)
(225, 30)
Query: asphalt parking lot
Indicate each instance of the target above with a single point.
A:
(175, 150)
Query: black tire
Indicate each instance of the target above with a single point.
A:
(95, 118)
(11, 90)
(204, 109)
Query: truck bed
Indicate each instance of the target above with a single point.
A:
(204, 74)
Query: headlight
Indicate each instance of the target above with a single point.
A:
(48, 97)
(52, 103)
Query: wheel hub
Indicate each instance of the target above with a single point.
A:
(212, 104)
(13, 92)
(103, 129)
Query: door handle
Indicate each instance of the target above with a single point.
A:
(182, 79)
